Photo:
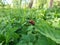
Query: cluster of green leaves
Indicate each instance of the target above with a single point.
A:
(15, 28)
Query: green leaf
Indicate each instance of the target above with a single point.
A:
(48, 31)
(44, 41)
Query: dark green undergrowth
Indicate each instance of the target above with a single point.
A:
(29, 27)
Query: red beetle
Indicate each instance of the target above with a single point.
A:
(32, 22)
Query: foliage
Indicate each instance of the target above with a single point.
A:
(16, 27)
